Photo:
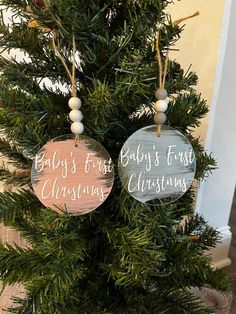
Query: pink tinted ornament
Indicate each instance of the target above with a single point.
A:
(72, 176)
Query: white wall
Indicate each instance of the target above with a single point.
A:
(217, 191)
(209, 43)
(216, 194)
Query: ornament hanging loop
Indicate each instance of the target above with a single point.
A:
(59, 55)
(75, 103)
(162, 70)
(161, 105)
(71, 74)
(73, 81)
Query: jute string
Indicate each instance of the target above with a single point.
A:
(163, 66)
(71, 74)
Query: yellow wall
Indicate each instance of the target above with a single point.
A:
(199, 43)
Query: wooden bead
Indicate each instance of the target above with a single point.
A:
(160, 118)
(161, 93)
(77, 128)
(160, 106)
(75, 103)
(76, 115)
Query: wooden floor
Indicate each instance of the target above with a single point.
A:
(231, 270)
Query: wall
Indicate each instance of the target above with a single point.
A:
(199, 43)
(209, 43)
(216, 194)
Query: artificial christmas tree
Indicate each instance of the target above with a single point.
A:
(125, 257)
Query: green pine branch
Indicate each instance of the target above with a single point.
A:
(186, 111)
(126, 257)
(15, 206)
(13, 177)
(15, 155)
(129, 248)
(206, 163)
(46, 277)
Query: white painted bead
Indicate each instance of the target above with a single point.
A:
(160, 106)
(160, 118)
(76, 115)
(167, 100)
(75, 103)
(77, 128)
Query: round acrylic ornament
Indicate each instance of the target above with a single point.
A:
(72, 176)
(157, 170)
